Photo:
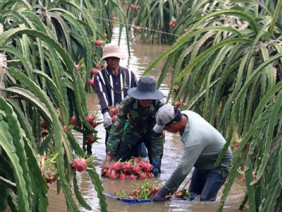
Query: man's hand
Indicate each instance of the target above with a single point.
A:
(107, 120)
(157, 164)
(161, 195)
(106, 165)
(156, 171)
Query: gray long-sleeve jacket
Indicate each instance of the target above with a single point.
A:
(202, 145)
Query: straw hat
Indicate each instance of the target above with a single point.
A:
(146, 89)
(112, 50)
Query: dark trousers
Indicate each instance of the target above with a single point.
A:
(107, 137)
(131, 146)
(207, 184)
(140, 150)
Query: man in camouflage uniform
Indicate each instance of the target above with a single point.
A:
(139, 108)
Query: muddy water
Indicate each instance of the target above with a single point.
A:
(141, 56)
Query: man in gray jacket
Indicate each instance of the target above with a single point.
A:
(202, 146)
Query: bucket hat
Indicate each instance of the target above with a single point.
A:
(112, 50)
(146, 89)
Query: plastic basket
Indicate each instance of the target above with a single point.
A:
(191, 198)
(128, 200)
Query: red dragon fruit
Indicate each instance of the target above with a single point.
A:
(108, 172)
(135, 168)
(154, 190)
(150, 175)
(50, 177)
(73, 121)
(136, 192)
(137, 159)
(146, 166)
(114, 118)
(91, 139)
(113, 175)
(142, 175)
(90, 118)
(126, 167)
(116, 166)
(113, 110)
(93, 124)
(122, 176)
(79, 164)
(44, 125)
(132, 177)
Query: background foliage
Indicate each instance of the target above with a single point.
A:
(50, 51)
(228, 68)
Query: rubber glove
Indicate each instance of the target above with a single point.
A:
(107, 120)
(161, 195)
(156, 171)
(157, 164)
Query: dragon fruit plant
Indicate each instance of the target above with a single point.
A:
(47, 164)
(81, 164)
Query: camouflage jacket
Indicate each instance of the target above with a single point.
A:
(140, 121)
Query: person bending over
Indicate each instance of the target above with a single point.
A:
(139, 108)
(202, 146)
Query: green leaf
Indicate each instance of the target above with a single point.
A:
(274, 19)
(39, 184)
(206, 53)
(274, 117)
(80, 199)
(231, 12)
(30, 97)
(183, 39)
(250, 188)
(7, 144)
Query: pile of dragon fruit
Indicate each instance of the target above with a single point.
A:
(135, 168)
(144, 191)
(148, 190)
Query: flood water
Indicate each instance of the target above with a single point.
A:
(141, 56)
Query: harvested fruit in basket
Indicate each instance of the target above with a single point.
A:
(183, 193)
(135, 168)
(144, 191)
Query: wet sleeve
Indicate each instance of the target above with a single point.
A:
(188, 159)
(100, 88)
(117, 130)
(157, 138)
(157, 145)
